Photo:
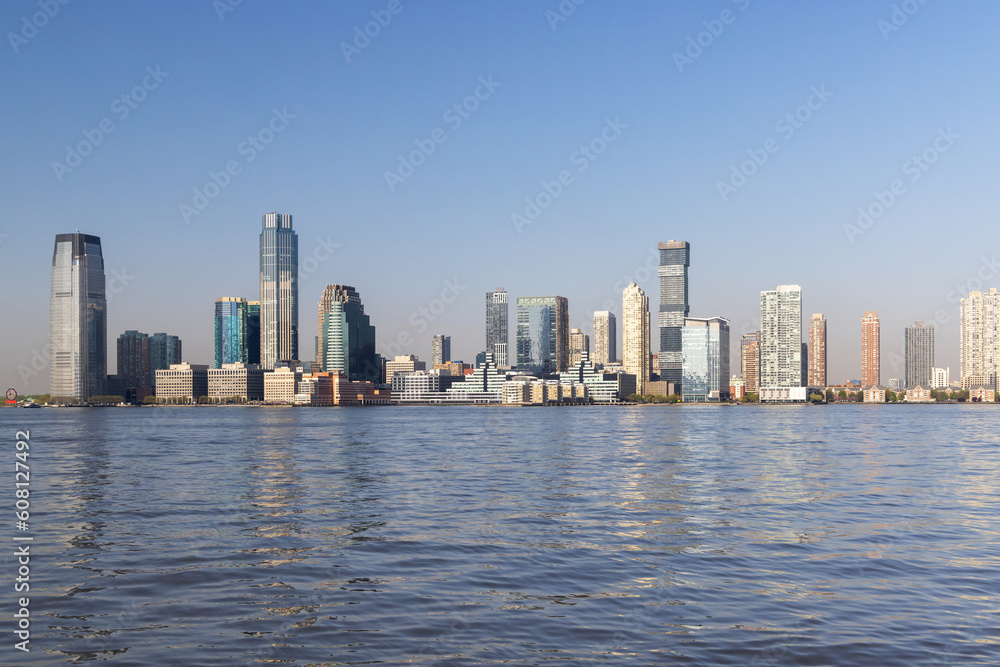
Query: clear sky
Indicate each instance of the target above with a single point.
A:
(676, 117)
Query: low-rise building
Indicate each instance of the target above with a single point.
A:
(874, 394)
(533, 391)
(281, 385)
(182, 381)
(784, 394)
(982, 394)
(602, 387)
(919, 394)
(403, 363)
(239, 380)
(737, 388)
(347, 392)
(315, 389)
(940, 378)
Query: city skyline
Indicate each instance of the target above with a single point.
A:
(657, 180)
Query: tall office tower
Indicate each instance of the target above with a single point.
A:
(705, 343)
(605, 338)
(347, 337)
(542, 334)
(579, 343)
(750, 361)
(919, 346)
(440, 349)
(871, 350)
(781, 337)
(675, 258)
(979, 338)
(279, 290)
(78, 318)
(133, 366)
(635, 335)
(253, 332)
(231, 331)
(496, 325)
(817, 351)
(164, 351)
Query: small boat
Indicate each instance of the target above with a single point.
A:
(31, 405)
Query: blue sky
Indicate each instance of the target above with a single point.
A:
(888, 93)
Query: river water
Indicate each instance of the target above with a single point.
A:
(689, 535)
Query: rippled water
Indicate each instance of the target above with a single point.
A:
(839, 535)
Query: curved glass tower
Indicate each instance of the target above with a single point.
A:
(279, 291)
(78, 318)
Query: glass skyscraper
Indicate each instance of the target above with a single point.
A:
(279, 291)
(496, 325)
(78, 318)
(675, 258)
(347, 337)
(231, 331)
(705, 375)
(542, 334)
(253, 332)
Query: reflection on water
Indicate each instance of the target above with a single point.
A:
(669, 534)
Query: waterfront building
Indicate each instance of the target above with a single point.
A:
(982, 394)
(783, 394)
(440, 349)
(528, 390)
(919, 346)
(358, 392)
(331, 294)
(940, 378)
(281, 384)
(315, 389)
(737, 388)
(347, 337)
(918, 394)
(78, 318)
(635, 335)
(542, 334)
(134, 377)
(605, 338)
(675, 259)
(236, 380)
(781, 342)
(484, 385)
(705, 346)
(602, 387)
(750, 361)
(403, 363)
(231, 331)
(817, 351)
(496, 325)
(979, 337)
(423, 386)
(279, 290)
(874, 394)
(253, 332)
(871, 350)
(182, 380)
(578, 342)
